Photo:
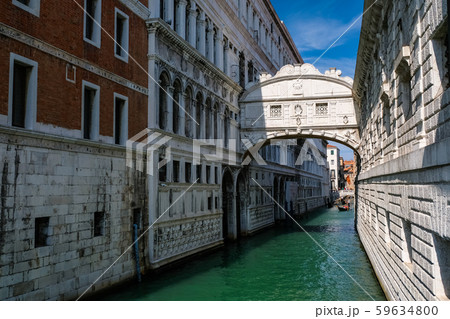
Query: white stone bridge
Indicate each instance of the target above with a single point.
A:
(299, 101)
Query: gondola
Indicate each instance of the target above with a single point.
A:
(343, 207)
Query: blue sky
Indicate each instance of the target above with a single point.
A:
(315, 25)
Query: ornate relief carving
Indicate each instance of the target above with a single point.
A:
(260, 217)
(224, 92)
(174, 239)
(196, 72)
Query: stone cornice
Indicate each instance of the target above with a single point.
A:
(200, 61)
(370, 27)
(138, 8)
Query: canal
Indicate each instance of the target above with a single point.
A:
(281, 263)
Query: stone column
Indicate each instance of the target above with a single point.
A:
(211, 48)
(233, 216)
(194, 116)
(182, 115)
(202, 36)
(152, 87)
(226, 59)
(192, 24)
(181, 18)
(219, 50)
(169, 110)
(203, 123)
(211, 117)
(169, 13)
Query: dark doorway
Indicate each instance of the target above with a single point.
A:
(227, 204)
(241, 206)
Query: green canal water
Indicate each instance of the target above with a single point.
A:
(281, 263)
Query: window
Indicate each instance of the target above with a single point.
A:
(321, 108)
(251, 72)
(176, 171)
(41, 231)
(216, 175)
(275, 111)
(120, 119)
(92, 19)
(208, 174)
(162, 170)
(188, 172)
(210, 202)
(121, 35)
(333, 173)
(332, 162)
(22, 92)
(99, 224)
(90, 110)
(199, 173)
(32, 6)
(332, 152)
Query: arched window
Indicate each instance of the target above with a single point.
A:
(208, 118)
(198, 113)
(176, 106)
(188, 110)
(163, 112)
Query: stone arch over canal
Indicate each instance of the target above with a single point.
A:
(299, 101)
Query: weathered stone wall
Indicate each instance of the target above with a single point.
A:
(67, 181)
(402, 199)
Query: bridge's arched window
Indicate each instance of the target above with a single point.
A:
(188, 112)
(321, 108)
(176, 106)
(163, 111)
(276, 111)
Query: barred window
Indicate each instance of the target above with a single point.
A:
(275, 111)
(321, 108)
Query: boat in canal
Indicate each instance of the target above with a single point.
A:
(343, 207)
